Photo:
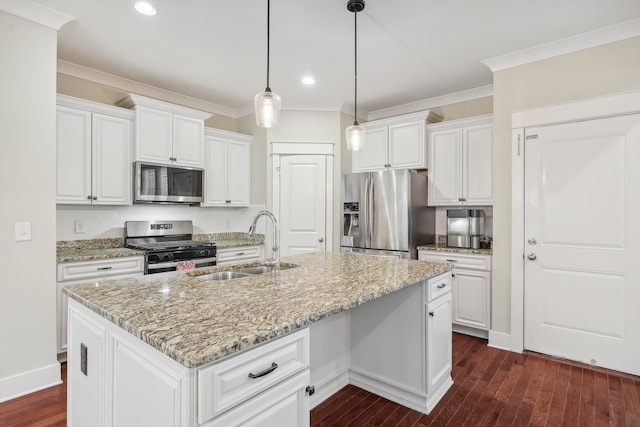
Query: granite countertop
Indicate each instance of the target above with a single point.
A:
(444, 248)
(196, 322)
(91, 249)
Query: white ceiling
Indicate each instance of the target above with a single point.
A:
(408, 50)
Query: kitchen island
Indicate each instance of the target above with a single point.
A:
(198, 334)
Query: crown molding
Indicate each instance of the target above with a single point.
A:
(143, 89)
(430, 103)
(582, 41)
(37, 13)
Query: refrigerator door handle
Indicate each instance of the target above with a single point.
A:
(371, 211)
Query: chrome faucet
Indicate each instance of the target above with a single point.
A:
(274, 261)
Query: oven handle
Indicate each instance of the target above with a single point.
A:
(175, 263)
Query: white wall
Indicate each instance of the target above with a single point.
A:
(28, 152)
(608, 69)
(102, 222)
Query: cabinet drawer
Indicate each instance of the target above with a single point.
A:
(228, 383)
(238, 253)
(99, 268)
(466, 261)
(438, 286)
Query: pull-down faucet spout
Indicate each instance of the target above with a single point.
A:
(274, 261)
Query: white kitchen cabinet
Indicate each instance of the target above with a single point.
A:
(87, 376)
(227, 169)
(166, 133)
(395, 143)
(471, 290)
(93, 153)
(238, 253)
(127, 383)
(414, 366)
(460, 162)
(70, 273)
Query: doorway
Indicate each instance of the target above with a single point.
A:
(303, 196)
(578, 240)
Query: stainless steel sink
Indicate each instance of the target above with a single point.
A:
(260, 269)
(223, 275)
(241, 272)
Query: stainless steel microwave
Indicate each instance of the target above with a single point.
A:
(166, 184)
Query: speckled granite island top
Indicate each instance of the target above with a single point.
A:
(195, 321)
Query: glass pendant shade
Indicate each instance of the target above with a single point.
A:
(355, 136)
(267, 106)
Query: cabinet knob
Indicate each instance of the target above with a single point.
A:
(227, 201)
(321, 239)
(95, 198)
(431, 314)
(532, 256)
(88, 197)
(310, 390)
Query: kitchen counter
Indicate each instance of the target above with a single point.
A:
(444, 248)
(92, 249)
(196, 322)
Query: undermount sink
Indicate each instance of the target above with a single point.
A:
(223, 275)
(242, 272)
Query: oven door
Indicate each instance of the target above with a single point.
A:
(162, 267)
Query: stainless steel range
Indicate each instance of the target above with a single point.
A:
(168, 245)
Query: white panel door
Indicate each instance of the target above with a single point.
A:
(215, 174)
(73, 156)
(111, 171)
(374, 154)
(476, 165)
(582, 269)
(407, 145)
(188, 141)
(239, 172)
(445, 168)
(303, 190)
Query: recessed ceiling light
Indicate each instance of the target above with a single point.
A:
(145, 8)
(308, 80)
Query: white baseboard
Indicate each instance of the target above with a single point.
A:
(500, 340)
(479, 333)
(328, 387)
(29, 382)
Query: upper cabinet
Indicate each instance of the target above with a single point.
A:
(93, 146)
(395, 143)
(460, 162)
(227, 168)
(166, 133)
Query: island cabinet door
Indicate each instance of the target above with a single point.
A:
(285, 405)
(148, 390)
(438, 342)
(86, 371)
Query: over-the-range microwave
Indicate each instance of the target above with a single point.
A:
(155, 183)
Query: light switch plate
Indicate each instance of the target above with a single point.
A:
(23, 231)
(79, 226)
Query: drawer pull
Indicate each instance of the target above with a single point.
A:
(444, 285)
(267, 371)
(105, 268)
(239, 253)
(452, 260)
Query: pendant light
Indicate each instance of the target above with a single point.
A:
(267, 104)
(355, 133)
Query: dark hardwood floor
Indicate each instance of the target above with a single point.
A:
(491, 388)
(498, 388)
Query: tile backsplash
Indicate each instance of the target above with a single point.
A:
(105, 222)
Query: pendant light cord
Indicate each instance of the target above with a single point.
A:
(355, 96)
(268, 41)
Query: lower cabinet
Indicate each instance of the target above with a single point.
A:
(70, 273)
(471, 290)
(238, 253)
(401, 345)
(116, 380)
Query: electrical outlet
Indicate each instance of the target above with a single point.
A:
(79, 226)
(23, 231)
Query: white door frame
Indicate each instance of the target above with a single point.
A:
(596, 108)
(307, 148)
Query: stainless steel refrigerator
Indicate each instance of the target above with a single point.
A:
(386, 213)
